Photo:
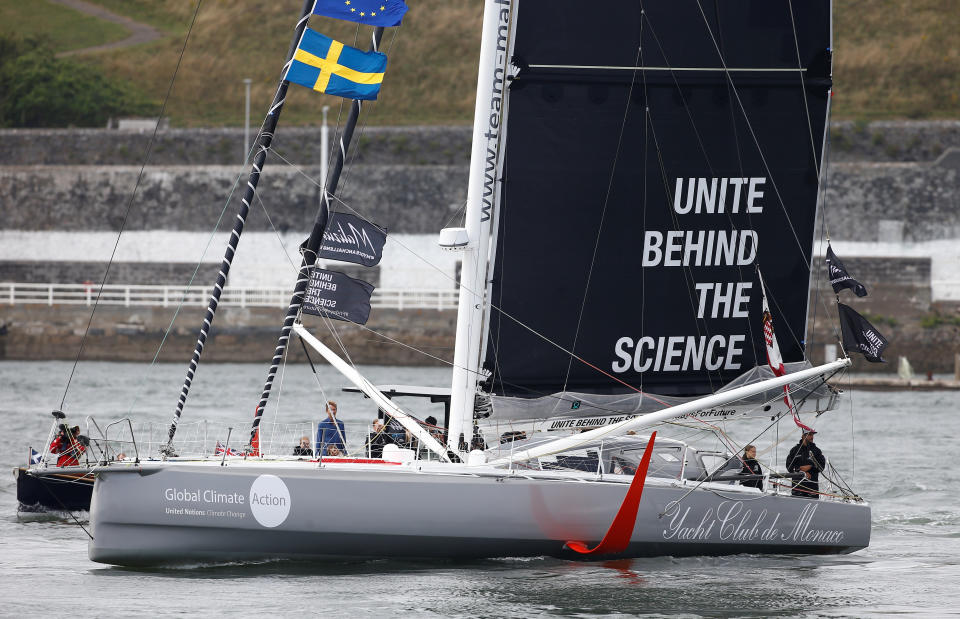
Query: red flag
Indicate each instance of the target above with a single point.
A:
(774, 360)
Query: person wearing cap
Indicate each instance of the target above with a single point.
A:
(805, 457)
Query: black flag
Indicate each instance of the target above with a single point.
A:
(349, 238)
(860, 335)
(839, 278)
(337, 295)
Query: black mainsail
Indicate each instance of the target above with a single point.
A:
(656, 154)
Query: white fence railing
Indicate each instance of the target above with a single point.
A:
(13, 293)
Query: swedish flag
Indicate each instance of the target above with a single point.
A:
(329, 66)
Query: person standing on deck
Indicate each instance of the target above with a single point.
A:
(330, 432)
(751, 467)
(805, 457)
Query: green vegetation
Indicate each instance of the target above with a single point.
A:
(65, 28)
(894, 59)
(932, 321)
(161, 15)
(879, 319)
(39, 90)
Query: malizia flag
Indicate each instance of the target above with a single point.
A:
(367, 12)
(860, 335)
(337, 295)
(349, 238)
(839, 278)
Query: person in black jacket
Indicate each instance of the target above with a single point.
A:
(751, 467)
(377, 439)
(303, 448)
(805, 457)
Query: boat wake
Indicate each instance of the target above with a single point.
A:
(39, 513)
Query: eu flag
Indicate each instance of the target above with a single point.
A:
(369, 12)
(329, 66)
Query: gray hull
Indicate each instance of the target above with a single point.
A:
(175, 513)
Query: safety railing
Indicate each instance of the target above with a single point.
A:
(13, 293)
(142, 441)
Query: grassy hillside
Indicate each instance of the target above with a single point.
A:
(894, 59)
(897, 59)
(66, 29)
(430, 77)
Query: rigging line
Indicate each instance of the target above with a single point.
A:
(825, 232)
(126, 215)
(276, 409)
(286, 254)
(687, 275)
(283, 247)
(853, 442)
(803, 89)
(793, 335)
(753, 134)
(75, 519)
(323, 393)
(603, 214)
(417, 350)
(193, 276)
(313, 368)
(733, 117)
(364, 121)
(688, 271)
(646, 160)
(500, 242)
(332, 153)
(460, 212)
(703, 149)
(821, 191)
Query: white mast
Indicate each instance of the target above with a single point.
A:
(481, 195)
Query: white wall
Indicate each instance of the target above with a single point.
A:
(263, 259)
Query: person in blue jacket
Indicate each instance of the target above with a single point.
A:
(330, 432)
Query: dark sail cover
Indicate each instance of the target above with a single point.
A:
(337, 295)
(635, 204)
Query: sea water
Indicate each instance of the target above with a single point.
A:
(897, 449)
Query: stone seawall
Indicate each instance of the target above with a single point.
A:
(373, 146)
(407, 198)
(849, 141)
(895, 202)
(39, 332)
